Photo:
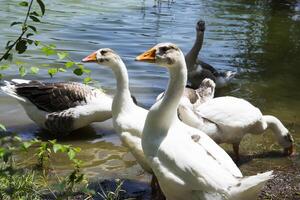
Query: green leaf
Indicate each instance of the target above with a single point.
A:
(17, 138)
(4, 67)
(57, 147)
(34, 13)
(48, 50)
(87, 80)
(71, 154)
(52, 71)
(2, 127)
(21, 46)
(23, 3)
(69, 64)
(20, 63)
(29, 34)
(62, 69)
(15, 23)
(26, 145)
(22, 71)
(78, 71)
(77, 149)
(32, 28)
(87, 71)
(36, 42)
(62, 55)
(7, 44)
(29, 41)
(35, 19)
(1, 76)
(81, 66)
(42, 6)
(34, 70)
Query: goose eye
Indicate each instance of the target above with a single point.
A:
(103, 52)
(163, 49)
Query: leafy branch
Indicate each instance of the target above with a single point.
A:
(21, 42)
(79, 68)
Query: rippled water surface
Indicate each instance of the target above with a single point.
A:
(258, 39)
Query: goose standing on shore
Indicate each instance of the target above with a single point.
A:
(199, 70)
(128, 118)
(228, 119)
(187, 163)
(60, 107)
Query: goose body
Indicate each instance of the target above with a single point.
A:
(128, 118)
(60, 107)
(199, 70)
(228, 119)
(187, 162)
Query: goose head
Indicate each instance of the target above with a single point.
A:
(163, 54)
(288, 142)
(104, 56)
(200, 26)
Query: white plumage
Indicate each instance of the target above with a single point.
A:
(228, 119)
(187, 162)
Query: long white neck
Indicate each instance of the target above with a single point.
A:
(122, 99)
(167, 108)
(277, 127)
(192, 55)
(163, 113)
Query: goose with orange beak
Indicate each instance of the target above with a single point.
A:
(187, 162)
(128, 118)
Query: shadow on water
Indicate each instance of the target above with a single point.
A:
(85, 133)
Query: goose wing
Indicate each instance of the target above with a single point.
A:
(55, 97)
(197, 163)
(229, 112)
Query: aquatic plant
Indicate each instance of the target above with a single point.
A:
(18, 181)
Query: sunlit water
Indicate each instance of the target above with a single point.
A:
(260, 41)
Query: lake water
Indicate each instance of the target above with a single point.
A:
(258, 39)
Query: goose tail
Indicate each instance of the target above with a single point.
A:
(9, 88)
(224, 78)
(249, 187)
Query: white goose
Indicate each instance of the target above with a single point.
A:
(60, 107)
(187, 163)
(199, 70)
(128, 118)
(228, 119)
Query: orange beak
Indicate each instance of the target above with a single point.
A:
(90, 58)
(148, 56)
(290, 151)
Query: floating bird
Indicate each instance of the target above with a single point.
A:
(199, 70)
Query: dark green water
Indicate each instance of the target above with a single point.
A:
(258, 39)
